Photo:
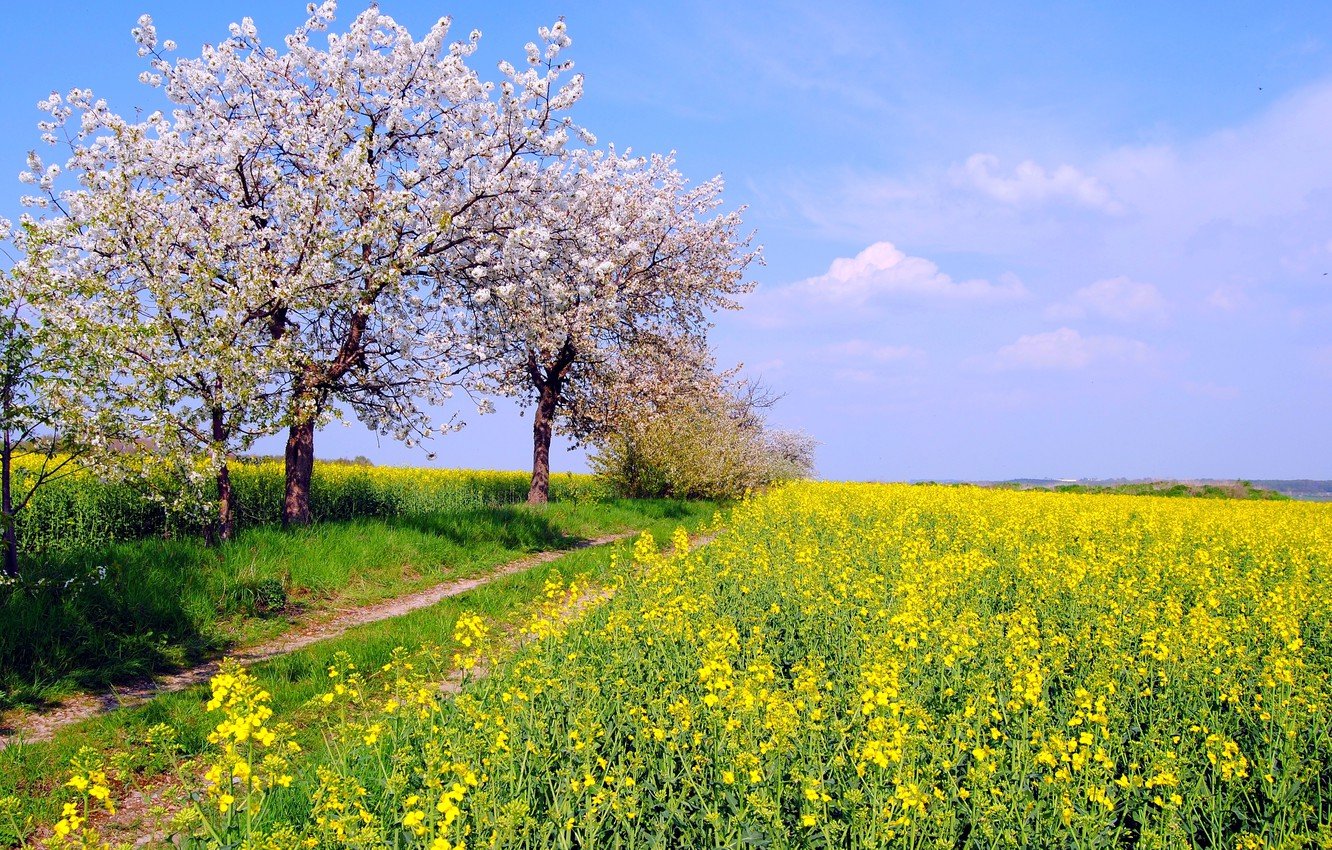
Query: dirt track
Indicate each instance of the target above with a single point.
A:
(40, 726)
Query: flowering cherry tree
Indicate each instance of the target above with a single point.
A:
(288, 241)
(597, 298)
(35, 422)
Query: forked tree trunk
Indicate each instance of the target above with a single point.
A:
(300, 469)
(542, 423)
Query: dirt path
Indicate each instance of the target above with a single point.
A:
(143, 814)
(40, 726)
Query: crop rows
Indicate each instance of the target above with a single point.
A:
(854, 666)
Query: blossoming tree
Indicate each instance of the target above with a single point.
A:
(287, 242)
(597, 298)
(35, 426)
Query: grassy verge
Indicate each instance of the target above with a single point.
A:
(87, 621)
(31, 774)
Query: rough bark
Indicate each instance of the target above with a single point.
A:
(548, 381)
(226, 505)
(539, 492)
(311, 392)
(300, 469)
(226, 495)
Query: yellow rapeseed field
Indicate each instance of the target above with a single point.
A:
(850, 666)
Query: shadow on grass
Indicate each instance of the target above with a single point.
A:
(93, 619)
(122, 613)
(657, 509)
(510, 526)
(89, 620)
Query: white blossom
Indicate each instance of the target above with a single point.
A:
(298, 232)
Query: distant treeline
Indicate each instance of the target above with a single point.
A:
(1177, 489)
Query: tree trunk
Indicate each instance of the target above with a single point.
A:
(300, 469)
(226, 496)
(10, 534)
(539, 492)
(226, 505)
(11, 568)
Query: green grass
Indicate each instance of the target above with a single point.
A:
(84, 510)
(90, 619)
(32, 773)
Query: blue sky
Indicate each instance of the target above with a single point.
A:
(1056, 240)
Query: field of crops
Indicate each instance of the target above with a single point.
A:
(81, 510)
(851, 666)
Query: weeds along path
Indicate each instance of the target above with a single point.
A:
(40, 726)
(141, 815)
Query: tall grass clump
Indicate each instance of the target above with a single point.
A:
(84, 511)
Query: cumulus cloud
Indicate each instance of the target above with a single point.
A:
(1031, 184)
(1067, 350)
(883, 270)
(1117, 298)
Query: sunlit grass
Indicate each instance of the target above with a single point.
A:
(101, 616)
(32, 772)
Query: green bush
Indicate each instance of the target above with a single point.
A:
(715, 450)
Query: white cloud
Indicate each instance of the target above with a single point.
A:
(1271, 166)
(859, 351)
(1067, 350)
(1227, 298)
(855, 376)
(1220, 209)
(1207, 389)
(1117, 298)
(884, 270)
(1031, 184)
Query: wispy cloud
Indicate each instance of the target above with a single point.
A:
(1066, 350)
(1227, 298)
(1031, 184)
(860, 351)
(1210, 390)
(1117, 298)
(1241, 205)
